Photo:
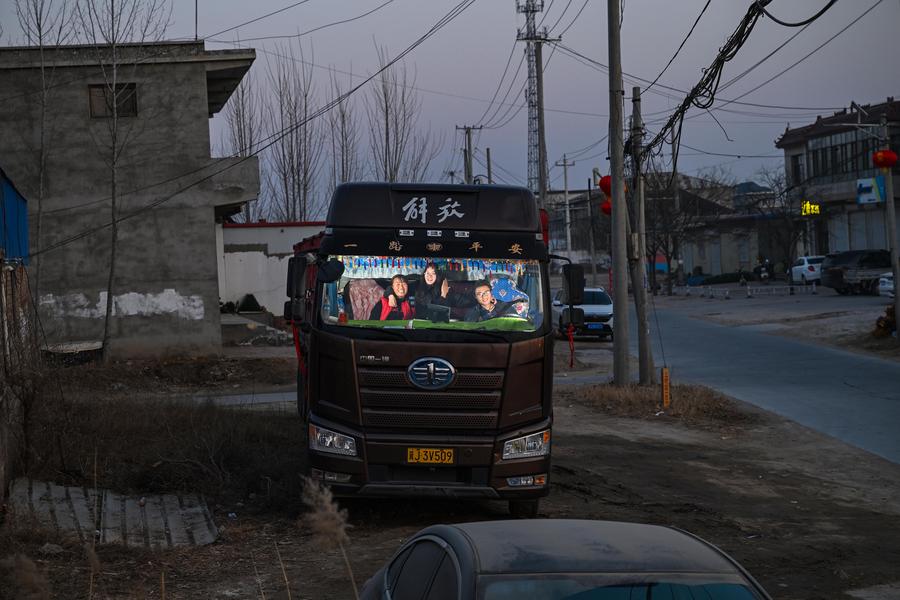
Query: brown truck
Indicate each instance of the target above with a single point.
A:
(425, 343)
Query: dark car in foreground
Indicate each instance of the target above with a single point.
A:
(556, 559)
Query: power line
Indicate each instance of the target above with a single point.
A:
(762, 7)
(680, 46)
(265, 16)
(314, 29)
(578, 14)
(443, 21)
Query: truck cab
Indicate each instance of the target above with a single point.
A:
(424, 336)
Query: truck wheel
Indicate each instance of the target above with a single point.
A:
(524, 509)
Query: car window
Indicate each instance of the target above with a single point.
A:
(815, 261)
(417, 571)
(446, 581)
(799, 262)
(597, 297)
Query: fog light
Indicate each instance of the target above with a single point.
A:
(527, 480)
(328, 476)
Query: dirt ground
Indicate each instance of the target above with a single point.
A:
(809, 516)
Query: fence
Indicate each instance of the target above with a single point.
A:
(19, 357)
(706, 291)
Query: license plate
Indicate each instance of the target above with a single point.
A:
(595, 325)
(429, 456)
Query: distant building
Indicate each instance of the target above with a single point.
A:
(253, 260)
(828, 165)
(171, 192)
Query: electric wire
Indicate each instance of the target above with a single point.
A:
(762, 7)
(574, 20)
(314, 29)
(260, 18)
(680, 46)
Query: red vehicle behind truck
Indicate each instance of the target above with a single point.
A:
(422, 322)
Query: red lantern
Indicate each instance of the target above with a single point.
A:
(606, 184)
(884, 159)
(606, 207)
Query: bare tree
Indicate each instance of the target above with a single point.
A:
(400, 151)
(244, 123)
(44, 23)
(677, 208)
(344, 138)
(108, 25)
(296, 154)
(779, 214)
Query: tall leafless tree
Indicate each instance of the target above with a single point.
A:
(44, 23)
(780, 213)
(344, 139)
(400, 151)
(244, 123)
(108, 25)
(294, 158)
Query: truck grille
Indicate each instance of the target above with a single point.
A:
(390, 400)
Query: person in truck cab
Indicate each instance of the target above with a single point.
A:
(488, 307)
(435, 289)
(394, 304)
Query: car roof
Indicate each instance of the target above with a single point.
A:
(580, 546)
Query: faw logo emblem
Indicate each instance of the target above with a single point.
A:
(431, 373)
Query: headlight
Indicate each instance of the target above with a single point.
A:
(536, 444)
(325, 440)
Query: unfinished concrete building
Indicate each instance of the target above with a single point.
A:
(147, 111)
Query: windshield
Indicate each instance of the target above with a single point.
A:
(587, 587)
(379, 292)
(596, 297)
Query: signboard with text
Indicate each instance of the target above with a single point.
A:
(870, 191)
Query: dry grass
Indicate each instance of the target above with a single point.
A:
(693, 404)
(159, 446)
(26, 577)
(327, 522)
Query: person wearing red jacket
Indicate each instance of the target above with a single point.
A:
(394, 304)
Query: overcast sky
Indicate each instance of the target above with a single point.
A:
(458, 70)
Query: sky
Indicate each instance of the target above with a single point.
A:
(459, 69)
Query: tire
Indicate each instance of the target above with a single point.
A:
(524, 509)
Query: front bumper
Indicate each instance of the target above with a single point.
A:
(381, 470)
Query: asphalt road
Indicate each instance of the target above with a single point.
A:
(852, 397)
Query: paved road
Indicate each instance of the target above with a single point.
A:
(852, 397)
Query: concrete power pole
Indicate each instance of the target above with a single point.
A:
(565, 165)
(468, 151)
(487, 153)
(621, 370)
(891, 214)
(645, 352)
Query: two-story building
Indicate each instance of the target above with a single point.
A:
(146, 110)
(831, 177)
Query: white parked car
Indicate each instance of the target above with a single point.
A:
(886, 284)
(598, 313)
(806, 269)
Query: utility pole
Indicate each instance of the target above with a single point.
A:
(468, 151)
(490, 174)
(565, 165)
(537, 148)
(891, 214)
(621, 371)
(645, 352)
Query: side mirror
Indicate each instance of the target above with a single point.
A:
(330, 271)
(293, 310)
(295, 276)
(573, 283)
(575, 316)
